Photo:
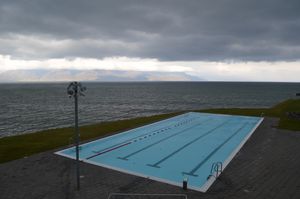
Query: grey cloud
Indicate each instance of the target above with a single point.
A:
(210, 30)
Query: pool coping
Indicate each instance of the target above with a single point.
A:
(211, 180)
(203, 188)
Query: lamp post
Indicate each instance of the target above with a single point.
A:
(74, 89)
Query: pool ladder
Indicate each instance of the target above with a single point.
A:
(216, 170)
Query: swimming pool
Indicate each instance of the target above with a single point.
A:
(192, 147)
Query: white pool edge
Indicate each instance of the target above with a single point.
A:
(203, 188)
(209, 182)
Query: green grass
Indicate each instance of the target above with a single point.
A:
(280, 110)
(15, 147)
(19, 146)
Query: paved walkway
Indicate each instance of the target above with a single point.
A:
(268, 166)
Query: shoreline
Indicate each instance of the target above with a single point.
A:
(19, 146)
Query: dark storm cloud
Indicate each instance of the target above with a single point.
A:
(252, 30)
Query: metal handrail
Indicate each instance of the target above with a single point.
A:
(216, 168)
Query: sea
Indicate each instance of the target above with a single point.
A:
(31, 107)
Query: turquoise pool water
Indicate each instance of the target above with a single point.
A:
(187, 146)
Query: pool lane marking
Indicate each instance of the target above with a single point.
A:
(140, 136)
(192, 172)
(111, 149)
(159, 141)
(186, 145)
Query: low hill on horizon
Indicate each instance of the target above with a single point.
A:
(56, 75)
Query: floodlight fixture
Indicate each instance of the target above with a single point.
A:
(74, 90)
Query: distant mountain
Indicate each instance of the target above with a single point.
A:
(41, 75)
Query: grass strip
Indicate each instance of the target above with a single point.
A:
(281, 111)
(19, 146)
(14, 147)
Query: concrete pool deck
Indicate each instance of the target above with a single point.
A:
(266, 167)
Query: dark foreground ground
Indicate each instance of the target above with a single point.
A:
(268, 166)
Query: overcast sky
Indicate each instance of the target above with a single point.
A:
(234, 40)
